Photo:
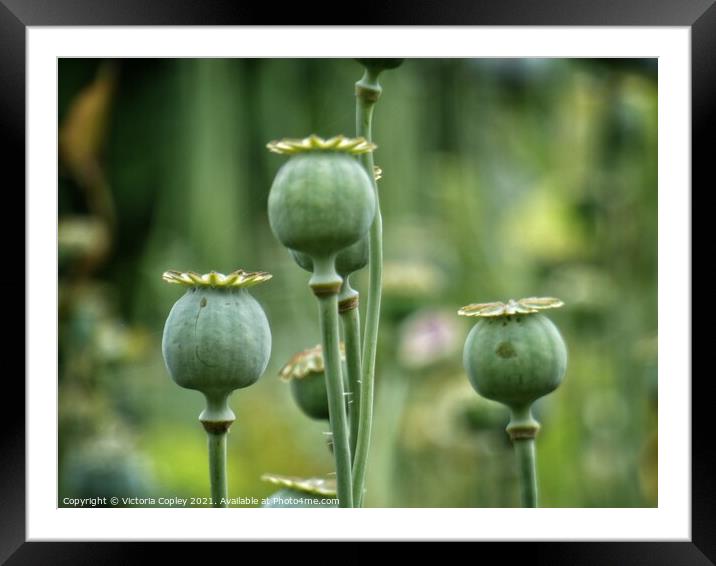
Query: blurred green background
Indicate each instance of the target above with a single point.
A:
(502, 178)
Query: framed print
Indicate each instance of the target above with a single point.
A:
(425, 264)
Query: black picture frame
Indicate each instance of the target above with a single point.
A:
(17, 15)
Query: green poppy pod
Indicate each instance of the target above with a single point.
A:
(305, 373)
(310, 395)
(514, 354)
(321, 201)
(216, 337)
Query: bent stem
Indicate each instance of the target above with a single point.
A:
(523, 431)
(328, 311)
(367, 93)
(350, 319)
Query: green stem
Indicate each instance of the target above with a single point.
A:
(367, 92)
(350, 318)
(328, 311)
(523, 429)
(216, 418)
(217, 468)
(525, 450)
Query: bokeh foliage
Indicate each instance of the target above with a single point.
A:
(501, 178)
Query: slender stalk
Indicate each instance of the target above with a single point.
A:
(217, 468)
(328, 311)
(350, 319)
(367, 92)
(525, 450)
(216, 419)
(523, 429)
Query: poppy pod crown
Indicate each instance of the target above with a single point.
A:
(238, 279)
(301, 492)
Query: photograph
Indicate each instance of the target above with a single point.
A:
(382, 283)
